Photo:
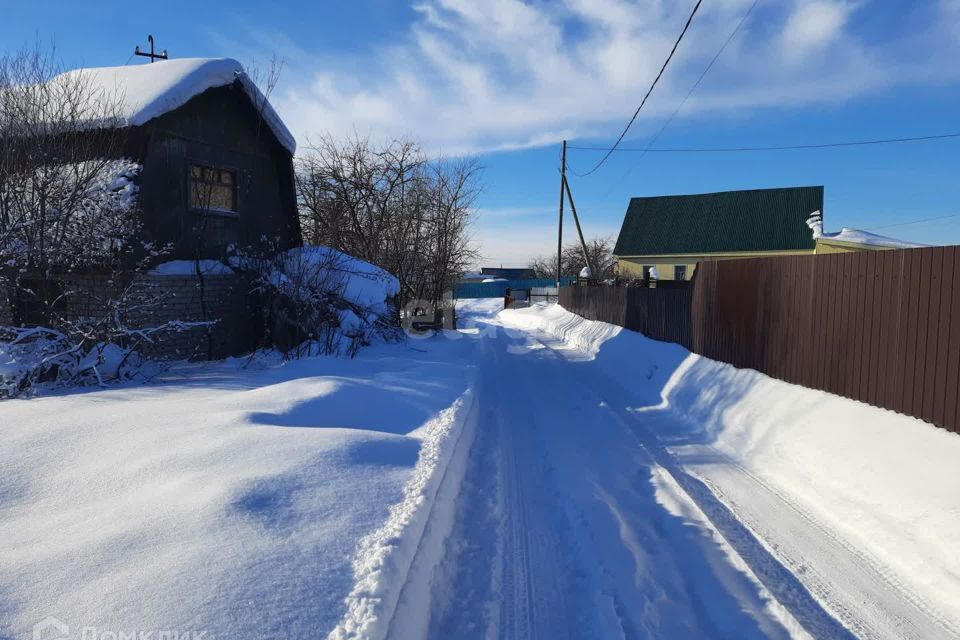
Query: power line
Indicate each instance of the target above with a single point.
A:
(706, 70)
(854, 143)
(903, 224)
(693, 88)
(649, 91)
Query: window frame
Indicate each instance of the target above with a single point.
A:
(216, 211)
(678, 268)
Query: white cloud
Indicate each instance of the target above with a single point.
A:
(812, 26)
(503, 74)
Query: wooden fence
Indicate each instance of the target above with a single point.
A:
(661, 313)
(882, 327)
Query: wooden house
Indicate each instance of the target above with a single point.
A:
(217, 161)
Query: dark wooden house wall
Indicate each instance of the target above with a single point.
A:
(221, 128)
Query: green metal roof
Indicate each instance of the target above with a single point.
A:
(753, 220)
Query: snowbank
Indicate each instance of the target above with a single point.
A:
(326, 301)
(386, 557)
(147, 91)
(884, 482)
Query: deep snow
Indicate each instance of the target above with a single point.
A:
(532, 475)
(355, 280)
(241, 502)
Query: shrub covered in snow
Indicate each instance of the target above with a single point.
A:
(34, 356)
(321, 301)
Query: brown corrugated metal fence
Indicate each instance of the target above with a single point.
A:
(882, 327)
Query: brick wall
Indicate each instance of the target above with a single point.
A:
(155, 300)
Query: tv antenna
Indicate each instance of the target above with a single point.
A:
(153, 56)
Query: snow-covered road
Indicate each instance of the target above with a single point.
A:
(565, 502)
(578, 517)
(534, 475)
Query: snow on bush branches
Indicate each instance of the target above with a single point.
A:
(322, 301)
(30, 356)
(68, 216)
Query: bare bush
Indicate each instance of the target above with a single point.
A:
(89, 349)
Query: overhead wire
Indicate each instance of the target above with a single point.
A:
(703, 74)
(649, 147)
(693, 88)
(918, 221)
(666, 62)
(825, 145)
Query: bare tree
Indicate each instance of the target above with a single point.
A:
(573, 261)
(60, 207)
(393, 207)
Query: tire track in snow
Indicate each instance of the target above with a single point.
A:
(627, 613)
(536, 554)
(528, 589)
(759, 536)
(571, 503)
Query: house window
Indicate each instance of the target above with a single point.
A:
(680, 272)
(212, 189)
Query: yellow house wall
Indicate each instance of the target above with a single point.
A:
(629, 268)
(632, 266)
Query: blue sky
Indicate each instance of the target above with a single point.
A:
(507, 80)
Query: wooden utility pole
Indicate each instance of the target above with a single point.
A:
(153, 56)
(576, 219)
(563, 182)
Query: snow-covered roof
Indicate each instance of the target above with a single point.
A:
(147, 91)
(858, 236)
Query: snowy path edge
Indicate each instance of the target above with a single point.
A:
(385, 558)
